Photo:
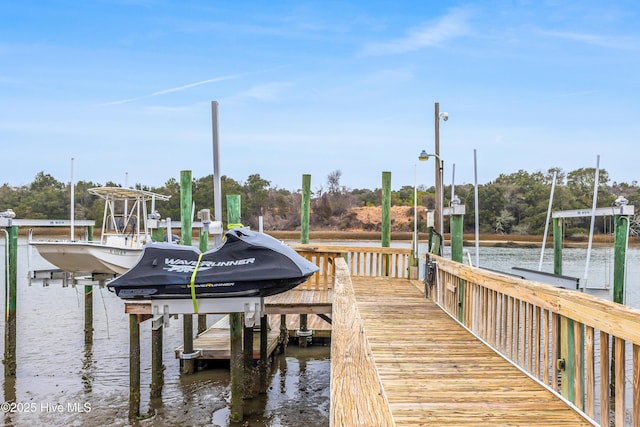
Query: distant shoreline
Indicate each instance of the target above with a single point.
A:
(490, 240)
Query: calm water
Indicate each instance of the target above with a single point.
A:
(60, 381)
(91, 383)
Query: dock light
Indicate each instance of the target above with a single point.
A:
(424, 156)
(6, 217)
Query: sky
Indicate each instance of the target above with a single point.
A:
(125, 88)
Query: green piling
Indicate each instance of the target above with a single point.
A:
(557, 245)
(236, 323)
(233, 211)
(186, 200)
(10, 325)
(386, 219)
(457, 228)
(305, 209)
(620, 230)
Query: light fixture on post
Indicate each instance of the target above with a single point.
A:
(424, 156)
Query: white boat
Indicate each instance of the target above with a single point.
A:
(122, 238)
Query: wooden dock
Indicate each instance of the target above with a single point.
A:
(425, 367)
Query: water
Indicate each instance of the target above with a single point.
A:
(61, 381)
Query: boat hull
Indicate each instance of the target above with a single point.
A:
(248, 264)
(210, 290)
(90, 258)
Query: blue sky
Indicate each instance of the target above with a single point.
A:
(125, 88)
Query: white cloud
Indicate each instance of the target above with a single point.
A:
(622, 42)
(431, 34)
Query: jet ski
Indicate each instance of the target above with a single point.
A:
(247, 264)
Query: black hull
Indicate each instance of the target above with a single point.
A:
(248, 264)
(239, 289)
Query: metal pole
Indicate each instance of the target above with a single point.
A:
(415, 213)
(477, 207)
(217, 185)
(546, 224)
(441, 202)
(596, 182)
(438, 170)
(72, 197)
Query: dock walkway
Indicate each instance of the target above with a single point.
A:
(429, 369)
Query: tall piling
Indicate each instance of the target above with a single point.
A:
(305, 209)
(386, 219)
(157, 337)
(237, 361)
(305, 213)
(620, 231)
(457, 229)
(10, 325)
(186, 199)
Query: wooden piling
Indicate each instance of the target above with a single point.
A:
(557, 245)
(88, 313)
(620, 230)
(134, 367)
(305, 209)
(386, 218)
(186, 198)
(10, 325)
(236, 363)
(457, 229)
(157, 367)
(263, 364)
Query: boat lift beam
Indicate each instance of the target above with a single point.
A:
(607, 211)
(252, 307)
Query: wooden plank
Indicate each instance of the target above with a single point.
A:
(358, 398)
(636, 385)
(434, 372)
(620, 381)
(215, 345)
(604, 378)
(590, 385)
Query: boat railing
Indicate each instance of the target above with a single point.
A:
(583, 348)
(362, 261)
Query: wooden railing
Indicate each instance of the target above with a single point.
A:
(362, 261)
(352, 364)
(584, 348)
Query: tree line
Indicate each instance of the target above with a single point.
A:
(515, 203)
